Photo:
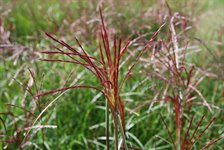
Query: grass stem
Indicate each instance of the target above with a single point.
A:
(107, 126)
(122, 132)
(115, 133)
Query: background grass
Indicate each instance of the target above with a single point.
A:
(79, 114)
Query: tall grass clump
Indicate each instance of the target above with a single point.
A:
(106, 70)
(179, 81)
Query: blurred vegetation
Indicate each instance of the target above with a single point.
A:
(79, 114)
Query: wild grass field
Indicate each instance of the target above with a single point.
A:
(110, 74)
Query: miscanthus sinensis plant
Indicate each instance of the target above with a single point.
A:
(106, 70)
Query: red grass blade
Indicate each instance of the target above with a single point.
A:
(88, 60)
(64, 61)
(195, 130)
(208, 125)
(65, 53)
(124, 49)
(169, 133)
(67, 88)
(106, 41)
(212, 142)
(141, 53)
(186, 135)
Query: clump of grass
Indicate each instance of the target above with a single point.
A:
(181, 80)
(16, 124)
(106, 70)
